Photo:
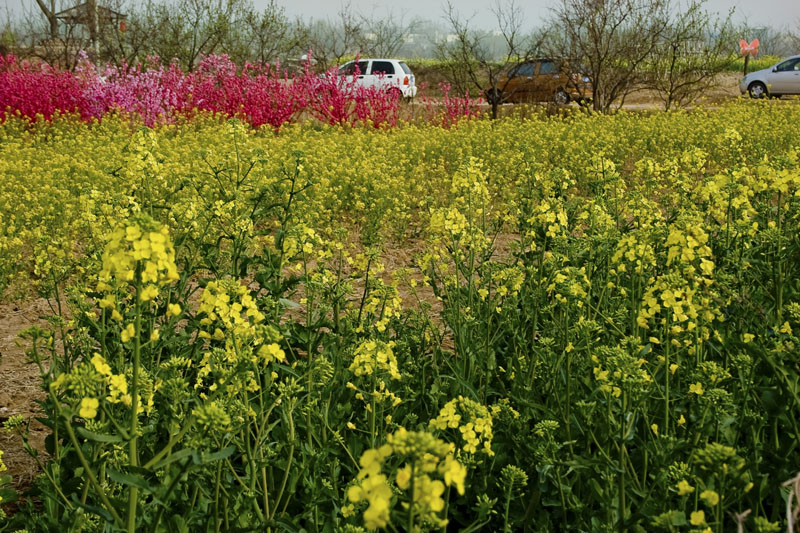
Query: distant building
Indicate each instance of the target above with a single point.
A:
(90, 18)
(82, 15)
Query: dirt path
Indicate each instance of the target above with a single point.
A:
(19, 387)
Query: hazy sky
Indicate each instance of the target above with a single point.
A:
(777, 13)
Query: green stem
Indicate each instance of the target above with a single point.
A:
(667, 347)
(508, 507)
(166, 449)
(288, 465)
(621, 466)
(410, 526)
(217, 478)
(90, 474)
(133, 494)
(563, 499)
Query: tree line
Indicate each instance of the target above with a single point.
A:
(185, 30)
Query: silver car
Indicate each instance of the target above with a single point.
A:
(777, 80)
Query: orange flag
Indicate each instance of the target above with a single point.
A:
(748, 49)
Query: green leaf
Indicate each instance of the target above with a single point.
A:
(678, 519)
(8, 495)
(130, 479)
(288, 303)
(200, 458)
(98, 437)
(171, 458)
(177, 523)
(91, 508)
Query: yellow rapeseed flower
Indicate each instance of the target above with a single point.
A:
(697, 518)
(89, 407)
(684, 488)
(128, 333)
(696, 388)
(710, 497)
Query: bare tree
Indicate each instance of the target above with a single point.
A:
(187, 29)
(694, 49)
(266, 33)
(49, 11)
(9, 33)
(383, 36)
(612, 39)
(45, 37)
(264, 36)
(472, 59)
(332, 40)
(130, 42)
(794, 37)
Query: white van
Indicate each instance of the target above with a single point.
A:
(392, 74)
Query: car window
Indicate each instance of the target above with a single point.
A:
(349, 69)
(548, 67)
(788, 65)
(382, 67)
(526, 69)
(405, 68)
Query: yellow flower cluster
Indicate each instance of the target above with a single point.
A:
(212, 417)
(373, 487)
(570, 284)
(140, 157)
(238, 334)
(419, 456)
(139, 251)
(92, 382)
(228, 306)
(684, 488)
(551, 217)
(460, 226)
(634, 250)
(373, 357)
(617, 370)
(683, 297)
(472, 420)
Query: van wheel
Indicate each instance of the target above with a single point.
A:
(395, 93)
(561, 97)
(757, 90)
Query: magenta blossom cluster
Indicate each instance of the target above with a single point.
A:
(450, 109)
(260, 94)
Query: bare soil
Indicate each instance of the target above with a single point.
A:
(19, 388)
(724, 90)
